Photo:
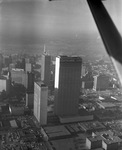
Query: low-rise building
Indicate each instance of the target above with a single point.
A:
(93, 142)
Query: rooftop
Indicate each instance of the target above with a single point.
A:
(56, 131)
(108, 137)
(94, 138)
(41, 84)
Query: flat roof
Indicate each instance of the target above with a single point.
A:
(107, 104)
(13, 124)
(69, 59)
(108, 137)
(72, 143)
(93, 125)
(41, 84)
(69, 119)
(112, 139)
(63, 144)
(95, 138)
(56, 131)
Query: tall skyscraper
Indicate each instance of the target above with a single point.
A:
(30, 90)
(28, 67)
(67, 85)
(1, 62)
(40, 102)
(46, 69)
(23, 63)
(30, 82)
(101, 82)
(83, 70)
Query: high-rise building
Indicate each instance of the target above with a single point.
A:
(40, 102)
(46, 69)
(30, 82)
(28, 67)
(101, 82)
(1, 62)
(67, 85)
(83, 71)
(23, 64)
(30, 90)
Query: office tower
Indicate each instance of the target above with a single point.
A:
(30, 81)
(30, 90)
(95, 82)
(40, 102)
(46, 69)
(83, 71)
(28, 67)
(23, 63)
(67, 85)
(101, 82)
(1, 62)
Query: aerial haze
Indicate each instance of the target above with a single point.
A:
(64, 26)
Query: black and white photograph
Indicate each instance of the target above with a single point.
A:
(60, 74)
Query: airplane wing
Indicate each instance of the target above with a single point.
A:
(111, 37)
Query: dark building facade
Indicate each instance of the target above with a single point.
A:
(101, 82)
(67, 85)
(46, 69)
(30, 81)
(1, 63)
(30, 90)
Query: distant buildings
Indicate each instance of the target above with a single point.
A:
(87, 81)
(83, 71)
(27, 60)
(18, 76)
(7, 60)
(46, 69)
(40, 102)
(11, 66)
(67, 85)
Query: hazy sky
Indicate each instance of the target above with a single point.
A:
(60, 24)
